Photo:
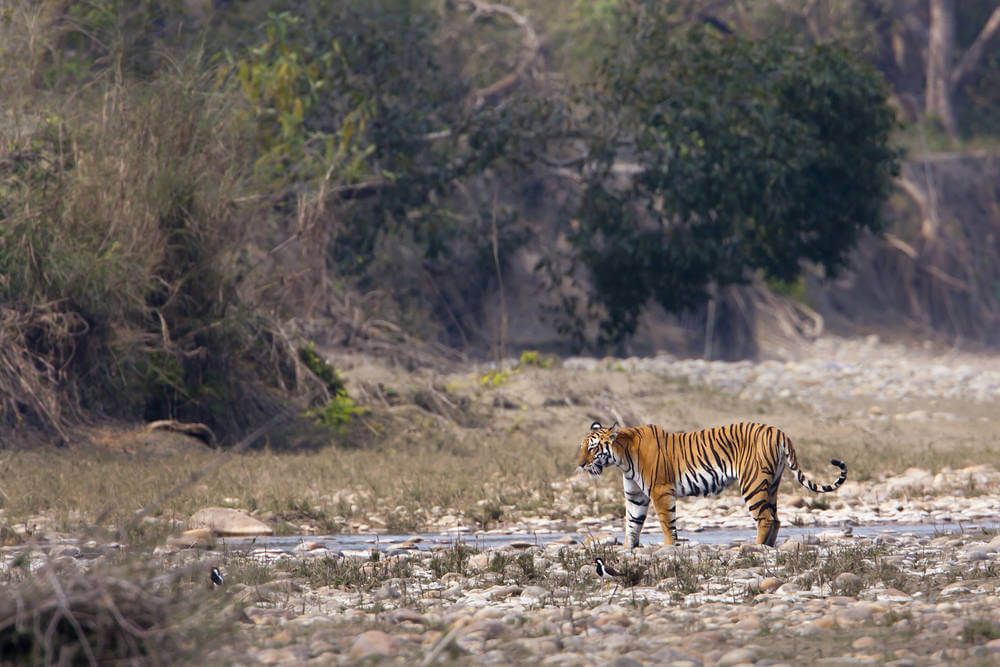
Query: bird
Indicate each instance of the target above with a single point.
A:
(605, 571)
(216, 577)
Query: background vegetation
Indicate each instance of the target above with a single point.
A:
(180, 183)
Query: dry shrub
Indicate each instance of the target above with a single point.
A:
(124, 234)
(94, 619)
(937, 268)
(34, 345)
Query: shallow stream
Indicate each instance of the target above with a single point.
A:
(490, 540)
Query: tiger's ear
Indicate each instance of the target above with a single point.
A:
(596, 426)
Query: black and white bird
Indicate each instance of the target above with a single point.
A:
(605, 571)
(216, 577)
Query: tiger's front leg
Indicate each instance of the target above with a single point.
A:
(636, 508)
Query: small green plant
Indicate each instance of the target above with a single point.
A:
(244, 569)
(818, 503)
(493, 379)
(534, 359)
(349, 572)
(454, 559)
(322, 369)
(526, 563)
(336, 413)
(794, 289)
(487, 512)
(499, 562)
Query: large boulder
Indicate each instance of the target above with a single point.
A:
(227, 522)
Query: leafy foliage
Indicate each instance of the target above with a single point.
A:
(751, 156)
(340, 409)
(162, 163)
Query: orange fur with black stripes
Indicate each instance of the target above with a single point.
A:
(659, 466)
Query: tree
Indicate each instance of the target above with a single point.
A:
(749, 156)
(390, 112)
(944, 73)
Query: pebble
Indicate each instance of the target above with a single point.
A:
(373, 643)
(737, 657)
(769, 584)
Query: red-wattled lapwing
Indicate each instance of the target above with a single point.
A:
(605, 571)
(216, 577)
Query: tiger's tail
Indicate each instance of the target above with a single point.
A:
(793, 465)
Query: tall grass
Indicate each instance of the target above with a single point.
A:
(125, 217)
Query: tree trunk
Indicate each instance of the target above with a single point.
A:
(940, 55)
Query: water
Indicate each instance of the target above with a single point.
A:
(428, 541)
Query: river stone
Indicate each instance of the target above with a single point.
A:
(65, 551)
(769, 584)
(847, 580)
(485, 628)
(501, 592)
(401, 615)
(277, 656)
(196, 537)
(737, 656)
(480, 561)
(228, 522)
(954, 589)
(624, 661)
(976, 553)
(534, 592)
(521, 544)
(373, 643)
(864, 643)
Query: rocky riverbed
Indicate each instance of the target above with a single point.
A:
(832, 599)
(484, 452)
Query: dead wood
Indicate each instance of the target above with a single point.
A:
(494, 92)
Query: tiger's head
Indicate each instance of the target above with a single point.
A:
(596, 451)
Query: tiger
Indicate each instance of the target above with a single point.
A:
(660, 466)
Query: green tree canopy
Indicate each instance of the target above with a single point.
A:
(747, 156)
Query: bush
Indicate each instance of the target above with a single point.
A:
(100, 618)
(750, 156)
(340, 409)
(123, 262)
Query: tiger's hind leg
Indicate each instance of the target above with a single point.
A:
(772, 533)
(772, 499)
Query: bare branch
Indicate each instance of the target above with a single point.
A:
(914, 192)
(362, 190)
(193, 429)
(971, 58)
(497, 90)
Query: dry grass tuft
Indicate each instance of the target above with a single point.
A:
(104, 618)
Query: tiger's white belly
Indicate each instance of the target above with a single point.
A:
(702, 483)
